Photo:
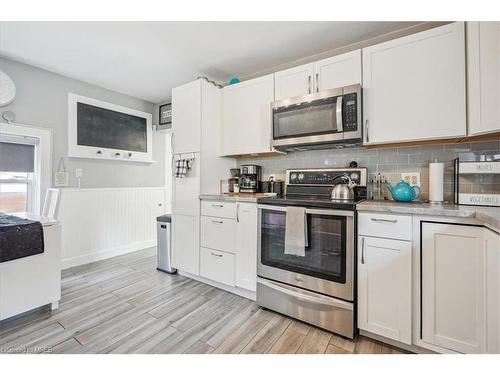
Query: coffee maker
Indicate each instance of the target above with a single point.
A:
(249, 178)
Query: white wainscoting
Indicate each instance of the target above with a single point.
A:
(102, 223)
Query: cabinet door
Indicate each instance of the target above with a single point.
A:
(292, 82)
(483, 77)
(492, 241)
(338, 71)
(453, 287)
(414, 87)
(246, 246)
(384, 287)
(186, 117)
(185, 243)
(247, 116)
(187, 190)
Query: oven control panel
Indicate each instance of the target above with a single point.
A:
(328, 177)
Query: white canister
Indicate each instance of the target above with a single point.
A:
(436, 181)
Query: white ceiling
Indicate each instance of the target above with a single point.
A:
(147, 59)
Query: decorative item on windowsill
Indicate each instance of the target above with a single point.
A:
(477, 179)
(61, 177)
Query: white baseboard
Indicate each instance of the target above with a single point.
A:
(235, 290)
(105, 254)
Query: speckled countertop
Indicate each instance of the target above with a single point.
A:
(490, 216)
(235, 197)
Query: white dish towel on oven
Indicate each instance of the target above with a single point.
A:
(296, 231)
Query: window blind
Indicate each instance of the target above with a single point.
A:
(17, 157)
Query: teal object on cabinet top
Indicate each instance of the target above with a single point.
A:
(404, 192)
(234, 81)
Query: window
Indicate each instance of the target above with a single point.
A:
(18, 177)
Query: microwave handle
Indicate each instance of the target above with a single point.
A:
(338, 114)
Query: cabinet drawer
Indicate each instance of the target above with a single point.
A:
(217, 265)
(384, 225)
(218, 233)
(218, 209)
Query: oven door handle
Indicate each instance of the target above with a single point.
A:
(313, 211)
(307, 298)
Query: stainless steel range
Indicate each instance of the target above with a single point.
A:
(317, 287)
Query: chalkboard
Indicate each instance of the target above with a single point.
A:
(104, 128)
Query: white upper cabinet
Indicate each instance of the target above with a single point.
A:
(338, 71)
(292, 82)
(246, 116)
(453, 287)
(483, 77)
(414, 87)
(186, 117)
(334, 72)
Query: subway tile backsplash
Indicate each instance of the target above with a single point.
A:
(390, 162)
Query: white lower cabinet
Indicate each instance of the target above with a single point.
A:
(453, 287)
(217, 265)
(384, 287)
(185, 243)
(246, 246)
(492, 241)
(229, 245)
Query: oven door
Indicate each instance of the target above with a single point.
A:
(328, 264)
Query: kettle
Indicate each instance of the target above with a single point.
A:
(343, 191)
(403, 191)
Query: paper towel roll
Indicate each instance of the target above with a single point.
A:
(436, 182)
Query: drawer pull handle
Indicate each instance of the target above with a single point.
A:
(385, 220)
(217, 205)
(217, 255)
(217, 221)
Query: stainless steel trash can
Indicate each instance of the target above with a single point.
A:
(164, 225)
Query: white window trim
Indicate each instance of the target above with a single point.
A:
(43, 158)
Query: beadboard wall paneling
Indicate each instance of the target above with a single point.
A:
(389, 162)
(105, 222)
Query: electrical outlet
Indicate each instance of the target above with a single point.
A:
(79, 172)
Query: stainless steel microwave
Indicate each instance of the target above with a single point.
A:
(326, 119)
